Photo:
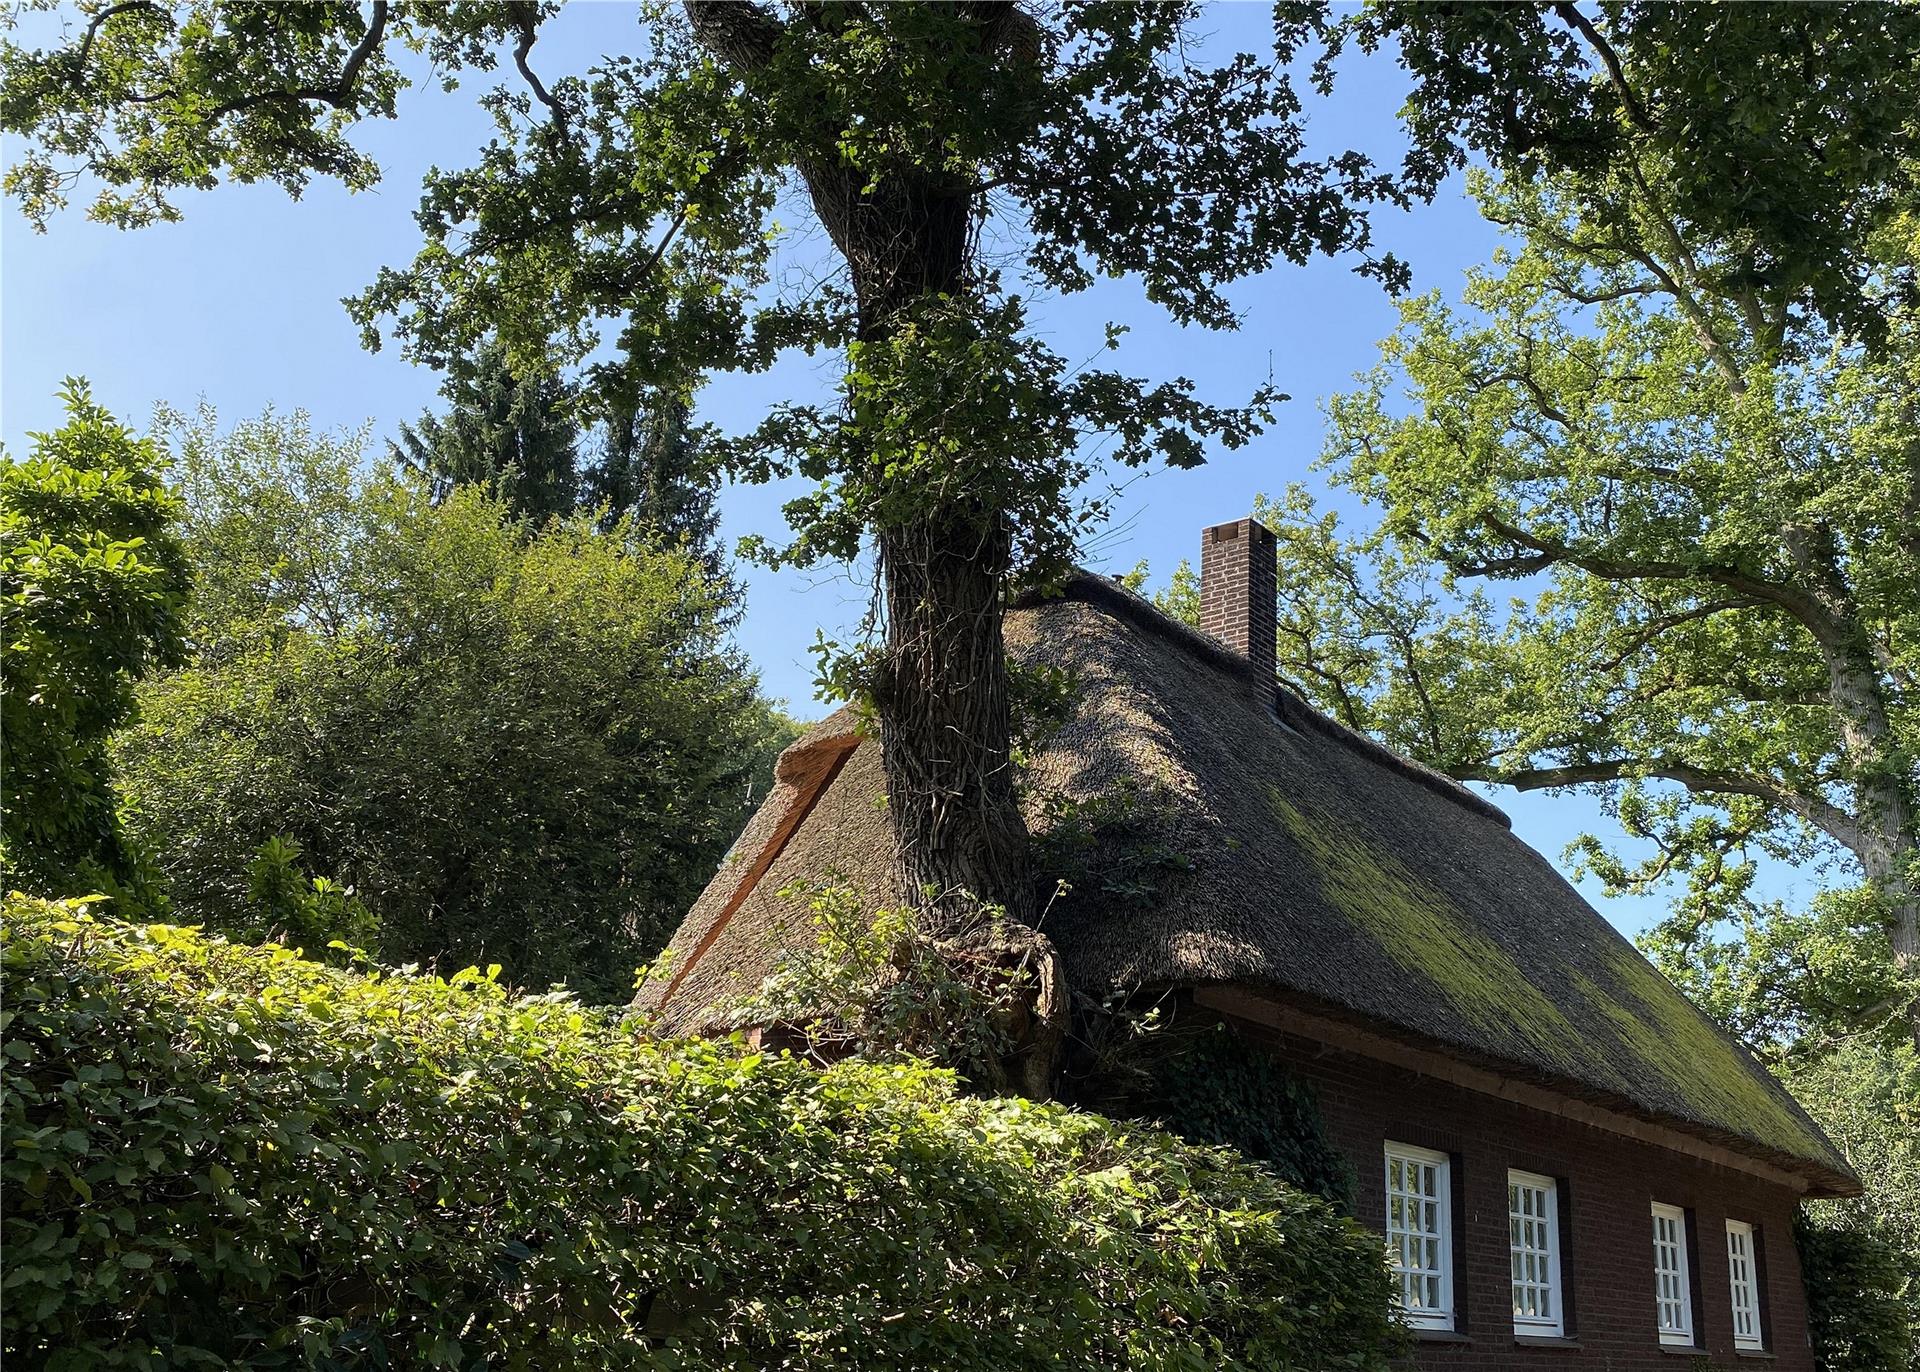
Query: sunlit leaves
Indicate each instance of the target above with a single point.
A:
(219, 1153)
(960, 408)
(1698, 495)
(515, 744)
(93, 581)
(1787, 135)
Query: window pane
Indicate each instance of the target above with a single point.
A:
(1674, 1301)
(1417, 1238)
(1744, 1287)
(1533, 1242)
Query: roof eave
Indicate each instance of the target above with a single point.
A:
(1813, 1178)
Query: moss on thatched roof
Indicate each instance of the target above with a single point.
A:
(1314, 866)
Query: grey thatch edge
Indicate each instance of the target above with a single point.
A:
(1104, 592)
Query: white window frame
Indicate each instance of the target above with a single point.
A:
(1676, 1333)
(1399, 1235)
(1533, 1232)
(1743, 1282)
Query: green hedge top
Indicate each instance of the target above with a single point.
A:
(225, 1155)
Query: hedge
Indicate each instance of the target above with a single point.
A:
(219, 1155)
(1858, 1315)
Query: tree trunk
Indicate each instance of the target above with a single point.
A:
(1903, 922)
(941, 690)
(944, 724)
(1888, 846)
(1888, 841)
(941, 693)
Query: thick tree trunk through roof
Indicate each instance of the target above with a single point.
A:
(941, 690)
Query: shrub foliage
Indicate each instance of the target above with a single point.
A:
(1862, 1256)
(1224, 1090)
(1857, 1318)
(507, 743)
(226, 1155)
(93, 588)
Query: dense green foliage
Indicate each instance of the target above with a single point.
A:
(93, 587)
(1202, 1080)
(1856, 1315)
(877, 986)
(231, 1156)
(655, 465)
(517, 436)
(1219, 1089)
(1784, 133)
(509, 744)
(1863, 1255)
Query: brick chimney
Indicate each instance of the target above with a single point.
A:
(1238, 588)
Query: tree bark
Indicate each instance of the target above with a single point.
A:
(941, 692)
(1889, 846)
(941, 689)
(944, 720)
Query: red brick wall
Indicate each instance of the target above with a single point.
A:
(1606, 1184)
(1239, 587)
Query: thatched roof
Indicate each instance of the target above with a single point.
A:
(1272, 850)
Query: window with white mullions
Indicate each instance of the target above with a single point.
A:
(1673, 1285)
(1743, 1277)
(1533, 1241)
(1420, 1234)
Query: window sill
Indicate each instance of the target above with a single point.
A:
(1544, 1341)
(1439, 1336)
(1760, 1353)
(1684, 1350)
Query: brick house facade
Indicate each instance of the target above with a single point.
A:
(1606, 1186)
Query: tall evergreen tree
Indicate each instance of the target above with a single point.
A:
(655, 467)
(522, 439)
(515, 435)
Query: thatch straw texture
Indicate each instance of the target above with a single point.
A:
(1312, 865)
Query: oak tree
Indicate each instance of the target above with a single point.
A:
(635, 206)
(1677, 420)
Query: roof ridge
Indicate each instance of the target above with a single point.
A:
(1109, 593)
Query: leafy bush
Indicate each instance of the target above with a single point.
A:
(1221, 1089)
(93, 585)
(1863, 1255)
(520, 745)
(227, 1155)
(302, 911)
(1153, 1060)
(1856, 1314)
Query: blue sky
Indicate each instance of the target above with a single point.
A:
(239, 305)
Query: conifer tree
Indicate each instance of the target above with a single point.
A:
(513, 434)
